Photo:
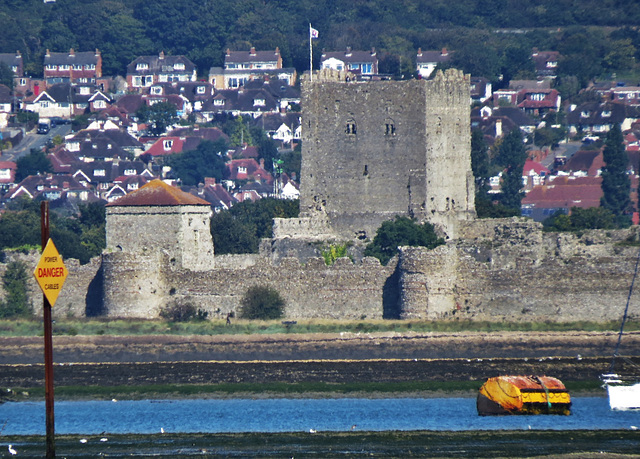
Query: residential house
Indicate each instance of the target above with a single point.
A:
(583, 163)
(109, 135)
(6, 104)
(49, 187)
(213, 193)
(546, 63)
(560, 194)
(533, 174)
(363, 64)
(212, 134)
(497, 122)
(600, 117)
(7, 174)
(539, 102)
(290, 190)
(72, 67)
(241, 67)
(251, 102)
(66, 100)
(481, 90)
(16, 64)
(285, 128)
(103, 176)
(170, 145)
(145, 71)
(246, 170)
(625, 94)
(427, 61)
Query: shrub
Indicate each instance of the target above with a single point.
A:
(183, 313)
(262, 302)
(16, 303)
(333, 252)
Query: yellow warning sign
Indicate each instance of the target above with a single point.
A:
(51, 272)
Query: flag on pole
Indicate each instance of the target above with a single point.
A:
(313, 32)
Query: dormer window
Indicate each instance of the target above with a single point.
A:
(259, 102)
(167, 144)
(389, 128)
(156, 90)
(218, 102)
(84, 91)
(142, 66)
(99, 173)
(129, 172)
(538, 96)
(585, 114)
(606, 113)
(242, 170)
(132, 186)
(73, 146)
(178, 66)
(552, 64)
(201, 90)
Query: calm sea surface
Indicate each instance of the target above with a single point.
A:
(293, 415)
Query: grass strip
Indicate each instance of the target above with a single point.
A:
(72, 327)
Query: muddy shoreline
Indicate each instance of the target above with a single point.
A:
(339, 358)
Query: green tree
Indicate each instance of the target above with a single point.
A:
(262, 303)
(581, 219)
(511, 156)
(480, 162)
(616, 185)
(159, 116)
(36, 162)
(402, 231)
(191, 167)
(240, 229)
(6, 75)
(16, 303)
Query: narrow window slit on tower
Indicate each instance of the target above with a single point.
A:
(366, 170)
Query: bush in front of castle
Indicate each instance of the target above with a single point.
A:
(262, 302)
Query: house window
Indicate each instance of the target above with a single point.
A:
(606, 113)
(90, 67)
(148, 80)
(44, 104)
(142, 66)
(132, 186)
(100, 104)
(537, 96)
(22, 82)
(201, 90)
(63, 67)
(242, 170)
(167, 144)
(99, 172)
(351, 128)
(178, 66)
(367, 68)
(51, 67)
(247, 196)
(137, 81)
(585, 114)
(156, 90)
(83, 90)
(129, 172)
(232, 66)
(259, 102)
(83, 80)
(218, 102)
(77, 67)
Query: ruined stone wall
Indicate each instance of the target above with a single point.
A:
(311, 290)
(516, 274)
(375, 150)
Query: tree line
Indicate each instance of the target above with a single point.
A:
(491, 38)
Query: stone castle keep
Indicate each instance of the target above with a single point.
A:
(370, 151)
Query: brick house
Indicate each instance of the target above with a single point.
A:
(145, 71)
(72, 67)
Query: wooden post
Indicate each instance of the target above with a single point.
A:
(48, 344)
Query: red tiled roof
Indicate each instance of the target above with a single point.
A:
(158, 193)
(566, 191)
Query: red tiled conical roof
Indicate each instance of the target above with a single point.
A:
(158, 193)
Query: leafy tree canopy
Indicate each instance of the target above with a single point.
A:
(36, 162)
(615, 181)
(402, 231)
(14, 281)
(159, 116)
(240, 229)
(581, 219)
(205, 161)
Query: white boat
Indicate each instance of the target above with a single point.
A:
(622, 395)
(623, 391)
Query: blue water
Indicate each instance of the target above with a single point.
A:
(284, 415)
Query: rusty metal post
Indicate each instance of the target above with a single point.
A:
(48, 344)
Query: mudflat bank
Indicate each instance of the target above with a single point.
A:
(327, 358)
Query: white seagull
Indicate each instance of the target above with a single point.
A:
(12, 451)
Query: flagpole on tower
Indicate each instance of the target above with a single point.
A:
(313, 33)
(310, 53)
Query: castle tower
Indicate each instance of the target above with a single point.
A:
(153, 229)
(375, 150)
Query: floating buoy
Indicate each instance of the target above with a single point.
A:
(523, 395)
